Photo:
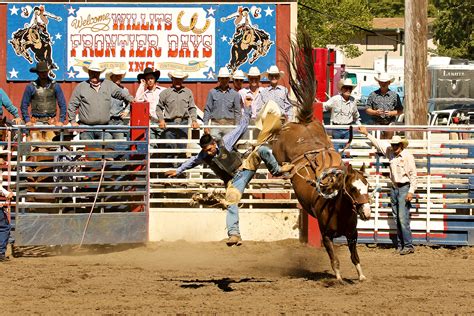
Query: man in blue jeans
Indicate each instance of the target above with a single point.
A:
(4, 227)
(404, 183)
(227, 164)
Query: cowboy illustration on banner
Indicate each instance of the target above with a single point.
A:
(34, 37)
(247, 37)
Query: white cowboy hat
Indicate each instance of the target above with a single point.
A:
(384, 77)
(399, 140)
(273, 70)
(254, 72)
(115, 71)
(93, 66)
(178, 74)
(224, 73)
(238, 74)
(270, 107)
(346, 82)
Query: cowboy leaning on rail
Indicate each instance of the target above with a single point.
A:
(227, 164)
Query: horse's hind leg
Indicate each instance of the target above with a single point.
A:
(352, 243)
(328, 244)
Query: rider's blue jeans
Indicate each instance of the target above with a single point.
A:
(401, 215)
(240, 181)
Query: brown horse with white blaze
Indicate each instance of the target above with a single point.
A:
(327, 189)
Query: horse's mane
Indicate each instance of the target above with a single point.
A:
(300, 66)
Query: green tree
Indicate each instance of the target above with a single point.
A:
(452, 28)
(387, 8)
(333, 22)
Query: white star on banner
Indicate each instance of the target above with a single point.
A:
(268, 12)
(13, 73)
(211, 11)
(71, 73)
(210, 75)
(14, 10)
(224, 38)
(58, 36)
(71, 11)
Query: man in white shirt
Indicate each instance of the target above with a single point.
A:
(404, 184)
(253, 92)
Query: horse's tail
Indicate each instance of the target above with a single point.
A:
(300, 65)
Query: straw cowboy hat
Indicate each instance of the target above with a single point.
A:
(399, 140)
(224, 73)
(273, 70)
(254, 72)
(115, 71)
(94, 66)
(238, 74)
(346, 83)
(149, 71)
(384, 77)
(42, 66)
(178, 74)
(271, 107)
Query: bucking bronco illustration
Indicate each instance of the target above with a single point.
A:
(34, 37)
(247, 38)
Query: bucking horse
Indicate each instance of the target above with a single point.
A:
(328, 189)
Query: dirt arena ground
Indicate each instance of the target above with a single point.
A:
(279, 277)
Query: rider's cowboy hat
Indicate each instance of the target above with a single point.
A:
(254, 72)
(224, 73)
(178, 74)
(239, 75)
(346, 83)
(399, 140)
(93, 66)
(273, 70)
(149, 71)
(271, 107)
(384, 77)
(115, 71)
(41, 66)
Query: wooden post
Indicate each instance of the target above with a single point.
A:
(416, 86)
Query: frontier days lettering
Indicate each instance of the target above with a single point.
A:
(142, 44)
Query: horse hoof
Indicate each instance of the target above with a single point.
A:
(362, 278)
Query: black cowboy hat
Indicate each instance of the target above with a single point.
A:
(148, 71)
(67, 136)
(41, 66)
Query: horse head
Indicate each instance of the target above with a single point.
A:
(356, 188)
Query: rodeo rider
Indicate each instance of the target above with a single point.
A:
(227, 164)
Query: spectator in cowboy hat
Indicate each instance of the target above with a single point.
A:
(119, 109)
(343, 109)
(253, 92)
(276, 92)
(238, 79)
(92, 99)
(384, 104)
(176, 106)
(149, 91)
(44, 95)
(404, 184)
(222, 106)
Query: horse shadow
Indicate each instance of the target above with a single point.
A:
(324, 277)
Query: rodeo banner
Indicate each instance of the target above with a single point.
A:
(197, 39)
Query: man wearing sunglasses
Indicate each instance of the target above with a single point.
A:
(277, 93)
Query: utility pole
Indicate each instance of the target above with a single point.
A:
(416, 85)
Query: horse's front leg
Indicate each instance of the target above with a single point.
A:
(328, 244)
(352, 243)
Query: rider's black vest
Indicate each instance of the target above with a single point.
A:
(225, 164)
(44, 100)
